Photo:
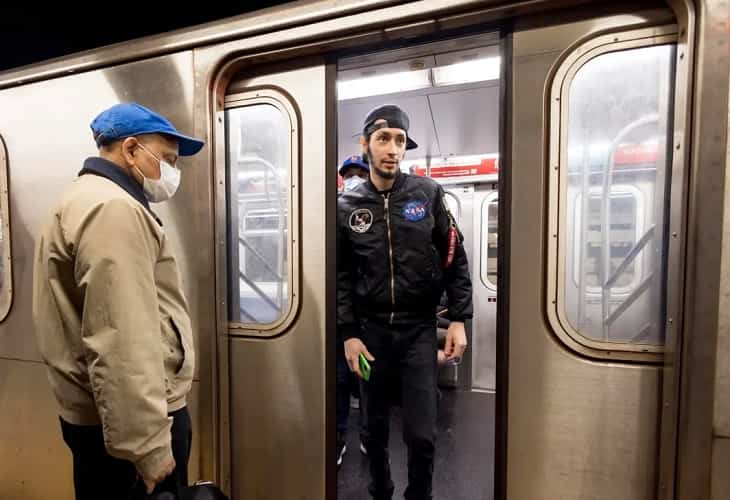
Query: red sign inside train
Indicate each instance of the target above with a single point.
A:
(485, 167)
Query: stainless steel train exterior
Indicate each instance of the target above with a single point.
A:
(587, 406)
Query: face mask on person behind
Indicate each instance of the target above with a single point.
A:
(162, 189)
(352, 182)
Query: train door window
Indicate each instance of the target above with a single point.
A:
(6, 275)
(488, 261)
(259, 130)
(615, 127)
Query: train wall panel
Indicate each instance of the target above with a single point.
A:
(721, 423)
(35, 463)
(720, 477)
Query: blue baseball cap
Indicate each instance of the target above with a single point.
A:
(129, 118)
(353, 161)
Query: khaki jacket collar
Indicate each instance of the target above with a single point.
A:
(107, 169)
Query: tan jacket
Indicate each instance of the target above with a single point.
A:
(111, 320)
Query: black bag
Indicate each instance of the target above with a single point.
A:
(205, 490)
(202, 490)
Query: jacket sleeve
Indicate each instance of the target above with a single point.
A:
(347, 326)
(115, 258)
(457, 280)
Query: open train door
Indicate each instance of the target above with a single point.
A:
(271, 139)
(592, 206)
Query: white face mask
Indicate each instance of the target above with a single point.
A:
(352, 182)
(164, 188)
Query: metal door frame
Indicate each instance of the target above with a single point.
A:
(504, 230)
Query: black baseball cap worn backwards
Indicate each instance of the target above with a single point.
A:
(394, 118)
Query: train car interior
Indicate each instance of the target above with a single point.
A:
(451, 91)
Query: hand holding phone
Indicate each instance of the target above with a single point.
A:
(358, 357)
(365, 367)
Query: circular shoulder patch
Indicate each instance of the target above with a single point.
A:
(361, 220)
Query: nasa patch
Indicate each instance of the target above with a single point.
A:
(361, 220)
(415, 210)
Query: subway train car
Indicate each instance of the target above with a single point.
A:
(583, 148)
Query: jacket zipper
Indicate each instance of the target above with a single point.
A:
(386, 197)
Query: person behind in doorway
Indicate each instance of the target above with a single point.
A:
(398, 249)
(442, 325)
(353, 171)
(110, 315)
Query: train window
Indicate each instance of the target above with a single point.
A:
(6, 275)
(259, 156)
(488, 261)
(611, 238)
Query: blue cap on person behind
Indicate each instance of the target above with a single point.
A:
(353, 161)
(129, 118)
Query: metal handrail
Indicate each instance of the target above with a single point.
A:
(260, 257)
(270, 169)
(638, 247)
(248, 315)
(259, 292)
(606, 214)
(635, 294)
(643, 334)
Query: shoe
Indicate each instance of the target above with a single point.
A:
(363, 450)
(341, 450)
(354, 403)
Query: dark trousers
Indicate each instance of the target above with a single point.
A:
(405, 370)
(347, 384)
(98, 475)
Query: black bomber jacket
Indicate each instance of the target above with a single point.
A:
(391, 255)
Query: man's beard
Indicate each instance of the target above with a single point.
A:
(383, 174)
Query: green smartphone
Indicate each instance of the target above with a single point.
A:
(365, 368)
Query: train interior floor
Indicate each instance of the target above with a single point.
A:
(463, 469)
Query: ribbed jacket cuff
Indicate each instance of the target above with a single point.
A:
(151, 464)
(460, 317)
(350, 332)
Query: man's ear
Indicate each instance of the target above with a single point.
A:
(129, 145)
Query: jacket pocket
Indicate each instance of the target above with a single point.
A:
(181, 344)
(173, 346)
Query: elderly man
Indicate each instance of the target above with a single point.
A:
(398, 249)
(110, 316)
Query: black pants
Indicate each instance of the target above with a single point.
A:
(347, 384)
(343, 390)
(405, 370)
(98, 475)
